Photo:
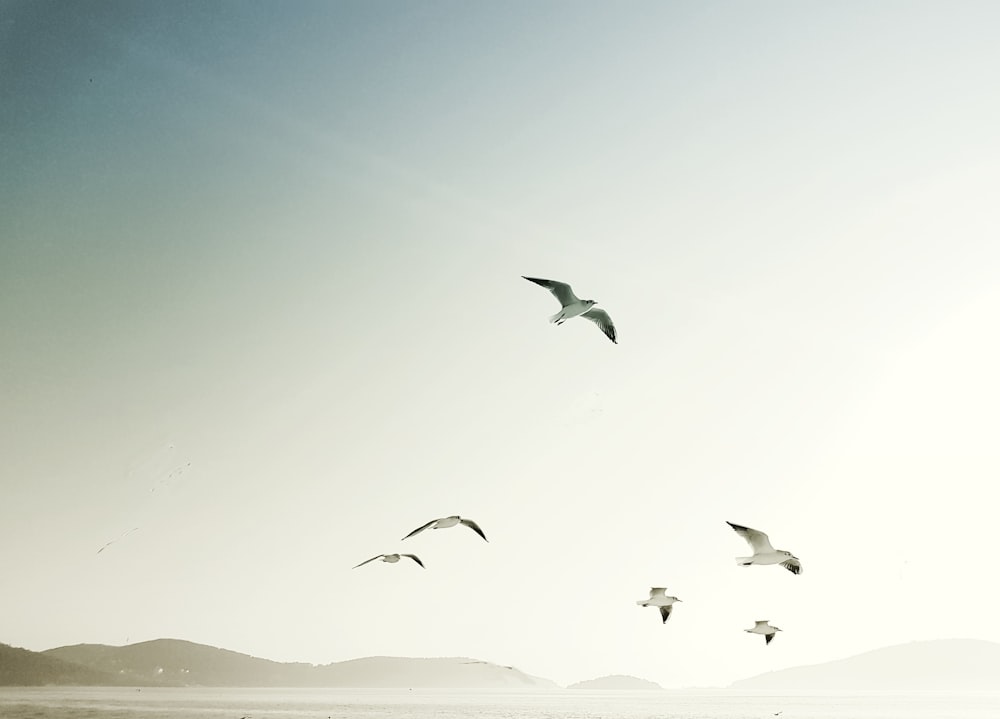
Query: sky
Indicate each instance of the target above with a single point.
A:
(261, 302)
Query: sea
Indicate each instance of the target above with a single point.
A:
(206, 703)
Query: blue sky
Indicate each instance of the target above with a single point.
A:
(283, 243)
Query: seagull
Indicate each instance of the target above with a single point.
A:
(446, 522)
(762, 627)
(763, 552)
(391, 559)
(480, 661)
(573, 306)
(124, 534)
(658, 598)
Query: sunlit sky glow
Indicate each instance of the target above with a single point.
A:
(283, 242)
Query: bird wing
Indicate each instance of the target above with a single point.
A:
(758, 541)
(377, 556)
(418, 530)
(123, 535)
(657, 591)
(415, 558)
(562, 291)
(474, 527)
(665, 612)
(602, 320)
(768, 638)
(793, 565)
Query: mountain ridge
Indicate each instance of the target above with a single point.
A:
(935, 664)
(617, 682)
(23, 667)
(962, 664)
(178, 662)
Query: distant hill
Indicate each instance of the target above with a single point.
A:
(173, 662)
(22, 667)
(456, 672)
(943, 664)
(616, 682)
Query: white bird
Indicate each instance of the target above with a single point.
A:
(391, 559)
(573, 306)
(762, 627)
(445, 522)
(763, 552)
(658, 598)
(124, 534)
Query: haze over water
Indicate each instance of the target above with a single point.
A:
(427, 704)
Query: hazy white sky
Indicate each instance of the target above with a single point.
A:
(283, 242)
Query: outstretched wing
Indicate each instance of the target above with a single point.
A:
(768, 638)
(415, 558)
(418, 530)
(124, 534)
(793, 565)
(562, 291)
(665, 612)
(377, 556)
(474, 527)
(758, 540)
(602, 320)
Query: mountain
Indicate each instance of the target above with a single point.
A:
(173, 662)
(455, 672)
(21, 667)
(617, 682)
(942, 664)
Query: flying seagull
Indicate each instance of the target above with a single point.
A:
(446, 522)
(763, 552)
(124, 534)
(573, 306)
(391, 559)
(762, 627)
(658, 598)
(480, 661)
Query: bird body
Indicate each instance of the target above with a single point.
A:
(445, 522)
(391, 559)
(761, 626)
(763, 552)
(573, 306)
(658, 598)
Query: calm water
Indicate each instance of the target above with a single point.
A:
(158, 703)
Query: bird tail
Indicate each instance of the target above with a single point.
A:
(744, 561)
(556, 316)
